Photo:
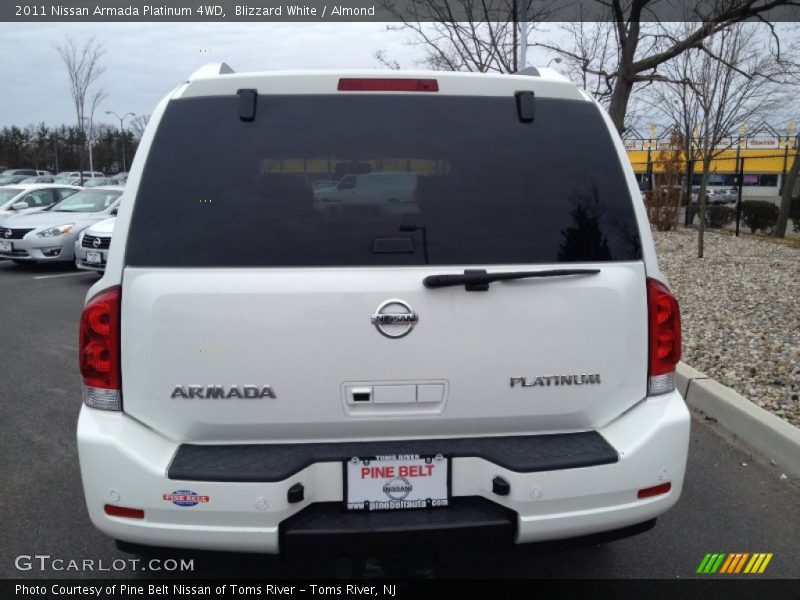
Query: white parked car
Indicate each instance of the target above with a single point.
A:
(497, 366)
(380, 191)
(91, 247)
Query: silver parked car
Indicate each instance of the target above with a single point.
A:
(91, 247)
(29, 197)
(50, 235)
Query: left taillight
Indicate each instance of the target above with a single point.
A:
(99, 351)
(665, 338)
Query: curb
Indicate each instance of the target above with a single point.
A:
(759, 428)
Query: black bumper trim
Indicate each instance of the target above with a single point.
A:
(277, 462)
(467, 520)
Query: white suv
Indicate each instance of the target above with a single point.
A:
(496, 365)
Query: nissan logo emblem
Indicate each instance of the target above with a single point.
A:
(97, 243)
(398, 488)
(8, 233)
(394, 319)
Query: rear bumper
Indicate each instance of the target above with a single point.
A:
(467, 522)
(126, 464)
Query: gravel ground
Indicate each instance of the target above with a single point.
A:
(740, 309)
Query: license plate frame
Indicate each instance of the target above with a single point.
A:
(6, 246)
(94, 257)
(396, 482)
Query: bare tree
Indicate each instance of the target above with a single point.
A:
(790, 184)
(729, 80)
(97, 97)
(681, 107)
(790, 191)
(467, 35)
(384, 59)
(138, 124)
(83, 70)
(643, 44)
(623, 46)
(586, 54)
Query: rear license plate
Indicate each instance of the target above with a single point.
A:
(94, 257)
(6, 246)
(396, 482)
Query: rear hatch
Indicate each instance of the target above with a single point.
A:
(254, 311)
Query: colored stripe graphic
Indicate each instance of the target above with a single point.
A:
(741, 562)
(765, 563)
(718, 563)
(703, 563)
(749, 567)
(728, 564)
(711, 563)
(759, 563)
(734, 562)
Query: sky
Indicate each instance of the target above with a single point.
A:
(144, 61)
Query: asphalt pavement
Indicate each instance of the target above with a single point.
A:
(734, 500)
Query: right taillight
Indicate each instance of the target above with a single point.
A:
(98, 349)
(664, 320)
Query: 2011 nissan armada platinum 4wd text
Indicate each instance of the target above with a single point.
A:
(489, 356)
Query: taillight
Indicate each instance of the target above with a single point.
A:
(99, 351)
(665, 338)
(388, 85)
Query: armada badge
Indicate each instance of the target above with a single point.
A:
(208, 392)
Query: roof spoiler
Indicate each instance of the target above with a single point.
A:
(210, 70)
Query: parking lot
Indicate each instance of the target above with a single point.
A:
(732, 501)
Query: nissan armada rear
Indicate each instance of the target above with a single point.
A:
(488, 355)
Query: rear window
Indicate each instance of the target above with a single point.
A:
(360, 180)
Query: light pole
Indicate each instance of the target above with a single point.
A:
(556, 60)
(122, 132)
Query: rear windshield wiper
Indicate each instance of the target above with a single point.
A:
(478, 280)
